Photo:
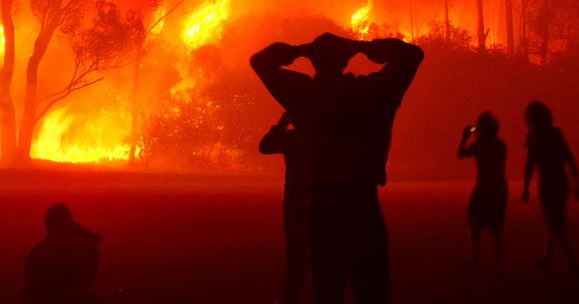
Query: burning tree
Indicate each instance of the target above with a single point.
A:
(188, 118)
(551, 26)
(95, 49)
(7, 113)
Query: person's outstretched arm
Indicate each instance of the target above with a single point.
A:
(529, 168)
(284, 85)
(463, 150)
(401, 61)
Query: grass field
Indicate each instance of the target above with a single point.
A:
(177, 238)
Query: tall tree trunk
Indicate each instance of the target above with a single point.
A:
(8, 116)
(509, 27)
(544, 32)
(446, 21)
(523, 29)
(481, 34)
(30, 101)
(134, 107)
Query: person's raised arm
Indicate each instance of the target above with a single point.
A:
(284, 85)
(401, 61)
(463, 150)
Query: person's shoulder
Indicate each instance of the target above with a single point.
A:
(557, 132)
(38, 248)
(501, 142)
(531, 139)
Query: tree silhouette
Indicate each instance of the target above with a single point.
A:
(95, 49)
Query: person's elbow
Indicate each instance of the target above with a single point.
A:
(415, 53)
(257, 62)
(263, 149)
(266, 148)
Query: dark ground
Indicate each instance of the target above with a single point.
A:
(209, 239)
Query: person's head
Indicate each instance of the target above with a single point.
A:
(330, 55)
(58, 217)
(538, 116)
(487, 125)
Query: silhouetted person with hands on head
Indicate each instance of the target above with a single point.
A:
(488, 202)
(282, 140)
(346, 124)
(548, 151)
(61, 267)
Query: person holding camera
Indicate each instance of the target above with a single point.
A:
(488, 201)
(282, 140)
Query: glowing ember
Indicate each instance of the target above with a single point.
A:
(359, 21)
(96, 141)
(204, 26)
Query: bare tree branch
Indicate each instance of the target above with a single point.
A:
(164, 17)
(64, 95)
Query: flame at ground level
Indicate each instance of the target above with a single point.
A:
(97, 141)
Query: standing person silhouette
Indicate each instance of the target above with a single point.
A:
(281, 140)
(61, 267)
(346, 124)
(548, 150)
(488, 201)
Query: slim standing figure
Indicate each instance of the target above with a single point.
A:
(346, 123)
(548, 151)
(281, 140)
(488, 201)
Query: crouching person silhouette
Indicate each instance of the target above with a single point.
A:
(488, 201)
(281, 140)
(61, 267)
(346, 124)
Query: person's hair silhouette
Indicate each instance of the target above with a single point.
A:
(346, 124)
(61, 267)
(281, 140)
(548, 150)
(488, 201)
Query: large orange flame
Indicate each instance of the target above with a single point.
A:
(61, 136)
(55, 140)
(359, 21)
(97, 142)
(204, 26)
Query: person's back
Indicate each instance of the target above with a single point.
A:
(348, 134)
(61, 267)
(548, 147)
(491, 156)
(346, 123)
